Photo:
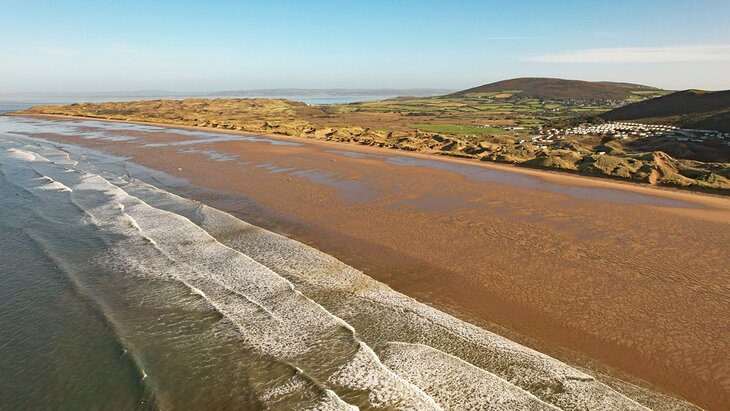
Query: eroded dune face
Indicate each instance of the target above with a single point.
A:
(216, 312)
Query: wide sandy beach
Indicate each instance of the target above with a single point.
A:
(619, 277)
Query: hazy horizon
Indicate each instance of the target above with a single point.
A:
(189, 47)
(345, 91)
(251, 91)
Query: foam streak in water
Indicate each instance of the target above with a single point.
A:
(273, 317)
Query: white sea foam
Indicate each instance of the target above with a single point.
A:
(55, 185)
(50, 184)
(21, 154)
(198, 292)
(272, 315)
(110, 216)
(357, 374)
(385, 314)
(332, 402)
(132, 221)
(454, 383)
(293, 384)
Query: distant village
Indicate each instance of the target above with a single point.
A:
(626, 131)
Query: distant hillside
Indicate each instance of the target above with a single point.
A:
(287, 92)
(560, 89)
(698, 109)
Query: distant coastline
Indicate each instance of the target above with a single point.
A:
(297, 94)
(12, 102)
(354, 124)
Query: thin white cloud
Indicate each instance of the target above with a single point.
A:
(123, 48)
(661, 54)
(600, 33)
(57, 52)
(509, 38)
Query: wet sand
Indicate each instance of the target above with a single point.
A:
(634, 277)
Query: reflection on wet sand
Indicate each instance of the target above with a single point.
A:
(516, 180)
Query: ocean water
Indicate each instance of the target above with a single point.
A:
(118, 294)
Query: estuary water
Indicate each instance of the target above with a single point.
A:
(118, 294)
(11, 104)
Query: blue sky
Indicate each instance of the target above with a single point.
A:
(224, 45)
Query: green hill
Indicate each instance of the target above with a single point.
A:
(709, 110)
(561, 89)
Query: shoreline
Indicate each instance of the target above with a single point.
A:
(548, 174)
(715, 209)
(623, 386)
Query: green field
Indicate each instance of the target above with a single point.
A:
(457, 115)
(640, 95)
(459, 129)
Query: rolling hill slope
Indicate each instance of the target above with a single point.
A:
(697, 109)
(561, 89)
